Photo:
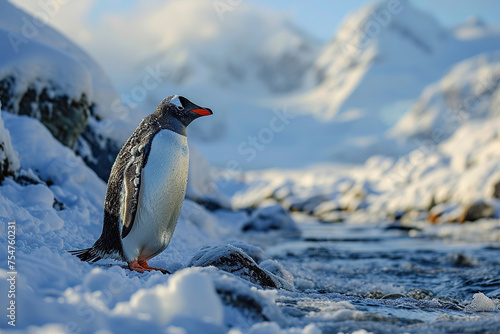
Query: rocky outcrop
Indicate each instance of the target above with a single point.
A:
(9, 161)
(452, 213)
(496, 190)
(476, 211)
(72, 122)
(97, 151)
(235, 261)
(65, 117)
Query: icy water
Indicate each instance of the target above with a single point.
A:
(378, 278)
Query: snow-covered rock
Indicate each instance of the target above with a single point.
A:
(46, 84)
(269, 218)
(25, 34)
(234, 260)
(46, 76)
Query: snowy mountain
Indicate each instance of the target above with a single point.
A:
(349, 92)
(382, 55)
(471, 90)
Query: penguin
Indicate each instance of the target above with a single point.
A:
(146, 187)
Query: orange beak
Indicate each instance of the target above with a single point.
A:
(203, 112)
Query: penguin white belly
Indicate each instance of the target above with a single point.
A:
(162, 191)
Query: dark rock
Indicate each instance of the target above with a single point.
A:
(496, 190)
(393, 296)
(233, 260)
(59, 206)
(65, 118)
(400, 227)
(238, 301)
(6, 168)
(9, 161)
(462, 260)
(476, 211)
(97, 151)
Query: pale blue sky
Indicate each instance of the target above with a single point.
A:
(322, 17)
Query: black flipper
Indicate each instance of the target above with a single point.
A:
(122, 190)
(87, 254)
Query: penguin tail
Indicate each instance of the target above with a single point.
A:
(87, 254)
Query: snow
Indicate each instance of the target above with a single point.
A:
(337, 92)
(188, 295)
(481, 303)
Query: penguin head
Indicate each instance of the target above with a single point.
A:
(183, 109)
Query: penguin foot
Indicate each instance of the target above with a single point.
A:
(146, 267)
(135, 266)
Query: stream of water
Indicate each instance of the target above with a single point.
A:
(381, 279)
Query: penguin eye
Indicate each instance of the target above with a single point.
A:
(177, 103)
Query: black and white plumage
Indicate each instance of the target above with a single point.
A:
(146, 187)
